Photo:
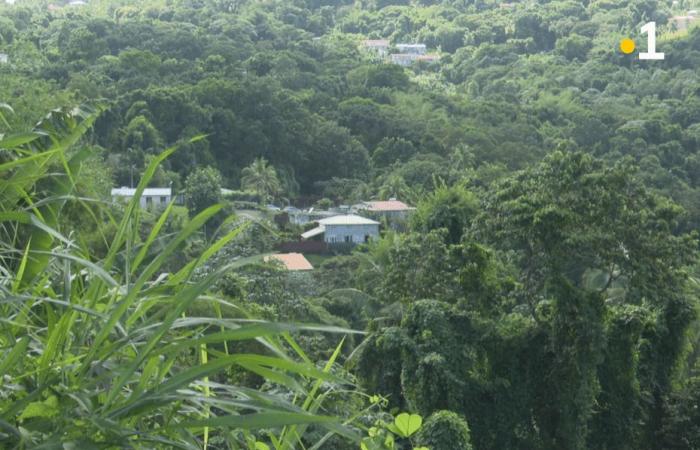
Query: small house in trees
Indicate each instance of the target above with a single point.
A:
(302, 217)
(4, 58)
(291, 261)
(682, 23)
(412, 49)
(349, 229)
(407, 59)
(391, 209)
(379, 46)
(151, 197)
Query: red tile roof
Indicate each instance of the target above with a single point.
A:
(292, 261)
(389, 205)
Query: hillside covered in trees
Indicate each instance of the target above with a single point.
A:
(543, 294)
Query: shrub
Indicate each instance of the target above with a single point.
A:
(445, 430)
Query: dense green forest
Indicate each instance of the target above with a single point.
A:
(544, 294)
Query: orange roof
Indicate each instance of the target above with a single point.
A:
(292, 261)
(389, 205)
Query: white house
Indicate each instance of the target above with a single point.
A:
(412, 49)
(391, 209)
(345, 229)
(379, 46)
(403, 59)
(301, 217)
(151, 197)
(682, 23)
(407, 59)
(4, 58)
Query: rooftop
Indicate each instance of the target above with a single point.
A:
(388, 205)
(347, 219)
(376, 43)
(292, 261)
(148, 192)
(313, 232)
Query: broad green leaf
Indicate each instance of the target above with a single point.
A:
(16, 140)
(407, 424)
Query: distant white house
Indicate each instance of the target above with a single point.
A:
(407, 59)
(301, 217)
(4, 58)
(151, 197)
(379, 46)
(681, 23)
(391, 209)
(345, 229)
(413, 49)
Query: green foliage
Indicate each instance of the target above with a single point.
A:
(445, 430)
(262, 179)
(202, 189)
(383, 435)
(681, 429)
(100, 350)
(450, 208)
(543, 293)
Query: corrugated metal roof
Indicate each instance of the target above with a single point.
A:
(292, 261)
(388, 205)
(348, 219)
(314, 232)
(148, 192)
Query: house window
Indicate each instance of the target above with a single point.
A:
(163, 200)
(367, 237)
(149, 201)
(348, 239)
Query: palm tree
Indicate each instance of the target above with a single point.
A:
(95, 353)
(261, 178)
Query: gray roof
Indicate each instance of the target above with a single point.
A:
(314, 232)
(347, 219)
(148, 192)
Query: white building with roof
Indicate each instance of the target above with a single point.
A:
(345, 229)
(151, 197)
(379, 46)
(412, 49)
(391, 209)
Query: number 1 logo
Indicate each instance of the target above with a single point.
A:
(650, 30)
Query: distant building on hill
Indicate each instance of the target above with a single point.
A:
(391, 209)
(292, 261)
(151, 197)
(349, 229)
(403, 59)
(412, 49)
(300, 217)
(4, 58)
(380, 46)
(407, 59)
(682, 23)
